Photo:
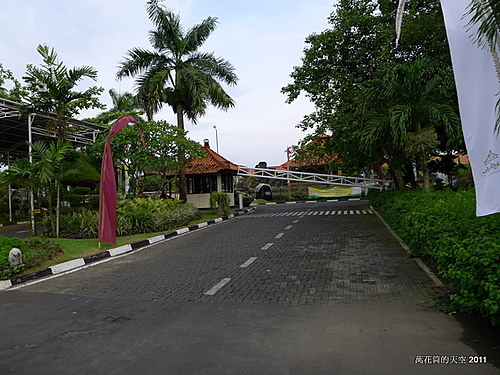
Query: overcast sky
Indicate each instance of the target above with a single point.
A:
(263, 40)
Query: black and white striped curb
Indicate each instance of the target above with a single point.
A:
(76, 263)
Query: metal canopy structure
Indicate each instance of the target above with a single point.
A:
(317, 178)
(17, 126)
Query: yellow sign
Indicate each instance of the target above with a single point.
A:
(336, 191)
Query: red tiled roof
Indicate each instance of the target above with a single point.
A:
(211, 163)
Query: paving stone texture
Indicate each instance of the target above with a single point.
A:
(316, 288)
(313, 254)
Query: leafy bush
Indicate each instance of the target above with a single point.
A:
(36, 251)
(220, 201)
(81, 190)
(6, 245)
(247, 201)
(442, 228)
(73, 198)
(93, 201)
(134, 216)
(83, 223)
(40, 250)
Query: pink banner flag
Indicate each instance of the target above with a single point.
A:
(107, 193)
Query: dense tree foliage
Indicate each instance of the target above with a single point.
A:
(159, 157)
(357, 53)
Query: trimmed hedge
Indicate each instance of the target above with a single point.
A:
(441, 227)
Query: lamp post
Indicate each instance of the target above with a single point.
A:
(216, 139)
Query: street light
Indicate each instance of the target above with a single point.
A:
(216, 138)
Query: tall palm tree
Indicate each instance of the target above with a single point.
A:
(176, 73)
(410, 107)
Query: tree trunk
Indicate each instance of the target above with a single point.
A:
(182, 169)
(58, 204)
(425, 169)
(398, 174)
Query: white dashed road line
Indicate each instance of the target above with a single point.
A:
(248, 262)
(217, 287)
(279, 235)
(267, 246)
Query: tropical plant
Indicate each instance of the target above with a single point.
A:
(408, 106)
(160, 157)
(486, 13)
(134, 216)
(15, 92)
(51, 88)
(42, 170)
(176, 73)
(339, 60)
(220, 203)
(125, 103)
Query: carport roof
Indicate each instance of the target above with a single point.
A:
(14, 128)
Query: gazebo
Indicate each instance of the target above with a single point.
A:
(208, 174)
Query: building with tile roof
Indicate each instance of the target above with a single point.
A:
(210, 173)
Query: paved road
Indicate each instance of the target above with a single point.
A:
(319, 288)
(16, 230)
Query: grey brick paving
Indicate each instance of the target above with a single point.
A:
(345, 258)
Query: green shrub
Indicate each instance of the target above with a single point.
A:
(442, 228)
(73, 198)
(36, 251)
(247, 201)
(40, 250)
(6, 245)
(94, 201)
(81, 190)
(220, 201)
(135, 216)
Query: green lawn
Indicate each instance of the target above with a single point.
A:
(78, 248)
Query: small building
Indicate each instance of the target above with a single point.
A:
(207, 174)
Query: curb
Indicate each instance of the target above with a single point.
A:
(77, 263)
(422, 265)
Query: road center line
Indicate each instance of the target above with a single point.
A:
(217, 286)
(248, 262)
(279, 235)
(267, 246)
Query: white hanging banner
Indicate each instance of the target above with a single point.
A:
(478, 87)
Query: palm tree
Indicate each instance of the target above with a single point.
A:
(409, 107)
(42, 170)
(126, 103)
(486, 13)
(52, 89)
(176, 73)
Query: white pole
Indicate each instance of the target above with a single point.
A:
(31, 118)
(10, 191)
